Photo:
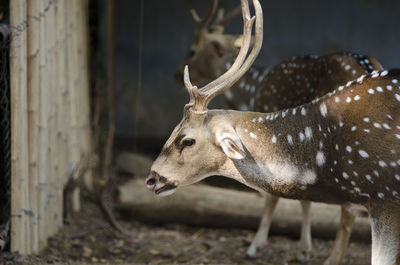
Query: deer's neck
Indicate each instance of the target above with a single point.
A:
(286, 152)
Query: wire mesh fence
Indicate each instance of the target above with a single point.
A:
(5, 146)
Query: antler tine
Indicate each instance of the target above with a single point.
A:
(202, 23)
(258, 39)
(196, 99)
(241, 64)
(248, 23)
(199, 98)
(222, 20)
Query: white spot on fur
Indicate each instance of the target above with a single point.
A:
(308, 133)
(309, 177)
(252, 135)
(323, 109)
(363, 154)
(320, 159)
(301, 136)
(369, 178)
(290, 139)
(273, 139)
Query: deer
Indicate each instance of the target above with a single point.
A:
(299, 79)
(340, 148)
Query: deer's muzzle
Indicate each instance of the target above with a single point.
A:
(159, 184)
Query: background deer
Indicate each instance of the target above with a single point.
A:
(289, 84)
(340, 148)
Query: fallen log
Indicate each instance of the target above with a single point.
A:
(207, 206)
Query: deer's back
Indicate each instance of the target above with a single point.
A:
(297, 81)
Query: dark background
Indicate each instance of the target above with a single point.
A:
(296, 27)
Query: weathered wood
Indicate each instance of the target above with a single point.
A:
(33, 122)
(52, 206)
(85, 90)
(43, 132)
(217, 207)
(19, 129)
(73, 76)
(50, 111)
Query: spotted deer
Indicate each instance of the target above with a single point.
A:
(341, 148)
(289, 84)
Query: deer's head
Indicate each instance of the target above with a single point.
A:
(204, 140)
(212, 49)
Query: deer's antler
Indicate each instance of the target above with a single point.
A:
(221, 20)
(200, 98)
(202, 23)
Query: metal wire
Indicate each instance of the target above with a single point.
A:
(5, 145)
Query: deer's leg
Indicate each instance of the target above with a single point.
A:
(305, 243)
(342, 238)
(261, 236)
(385, 227)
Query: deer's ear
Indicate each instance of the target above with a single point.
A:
(231, 145)
(217, 49)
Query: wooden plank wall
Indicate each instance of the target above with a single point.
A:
(50, 114)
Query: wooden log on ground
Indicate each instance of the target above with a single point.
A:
(207, 206)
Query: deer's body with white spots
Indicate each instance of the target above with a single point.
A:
(289, 84)
(341, 148)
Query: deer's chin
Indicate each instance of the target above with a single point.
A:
(165, 190)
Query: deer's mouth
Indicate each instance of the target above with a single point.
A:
(166, 190)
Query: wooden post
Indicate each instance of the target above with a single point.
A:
(33, 122)
(73, 88)
(44, 169)
(19, 130)
(85, 93)
(61, 121)
(50, 125)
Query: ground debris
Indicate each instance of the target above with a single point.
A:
(91, 240)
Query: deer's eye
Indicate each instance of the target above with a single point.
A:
(188, 142)
(191, 53)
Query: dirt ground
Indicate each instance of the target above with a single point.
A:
(91, 240)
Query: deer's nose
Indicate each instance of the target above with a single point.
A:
(151, 180)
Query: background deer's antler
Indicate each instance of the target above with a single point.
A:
(202, 23)
(200, 98)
